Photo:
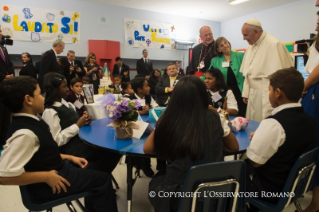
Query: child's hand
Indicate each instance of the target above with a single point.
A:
(81, 162)
(56, 182)
(82, 120)
(146, 108)
(210, 107)
(251, 135)
(88, 118)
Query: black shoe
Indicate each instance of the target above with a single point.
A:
(148, 171)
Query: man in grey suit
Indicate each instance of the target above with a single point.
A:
(166, 84)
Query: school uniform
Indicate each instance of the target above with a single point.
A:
(176, 171)
(146, 162)
(231, 100)
(73, 97)
(277, 144)
(148, 101)
(62, 120)
(30, 147)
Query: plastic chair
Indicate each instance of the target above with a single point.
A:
(209, 180)
(297, 182)
(37, 205)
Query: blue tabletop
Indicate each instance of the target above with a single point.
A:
(99, 134)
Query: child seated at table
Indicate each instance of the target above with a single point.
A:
(75, 95)
(186, 137)
(85, 80)
(127, 89)
(117, 83)
(282, 137)
(31, 157)
(64, 124)
(220, 96)
(142, 94)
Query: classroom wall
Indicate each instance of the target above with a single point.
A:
(186, 28)
(290, 22)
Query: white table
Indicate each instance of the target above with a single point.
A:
(96, 110)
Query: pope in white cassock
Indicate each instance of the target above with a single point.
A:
(264, 56)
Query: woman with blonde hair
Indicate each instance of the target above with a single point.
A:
(93, 71)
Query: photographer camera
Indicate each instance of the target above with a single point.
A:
(303, 47)
(6, 72)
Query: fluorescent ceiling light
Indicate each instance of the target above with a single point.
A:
(234, 2)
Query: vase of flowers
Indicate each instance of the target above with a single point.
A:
(121, 110)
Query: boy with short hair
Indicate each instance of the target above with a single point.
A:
(282, 137)
(142, 94)
(75, 95)
(86, 80)
(31, 157)
(117, 83)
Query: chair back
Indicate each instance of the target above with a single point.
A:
(300, 176)
(39, 205)
(296, 184)
(215, 185)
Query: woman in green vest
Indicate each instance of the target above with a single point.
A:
(229, 62)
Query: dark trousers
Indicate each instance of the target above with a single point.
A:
(5, 116)
(254, 185)
(140, 162)
(99, 183)
(106, 160)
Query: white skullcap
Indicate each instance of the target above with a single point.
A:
(253, 21)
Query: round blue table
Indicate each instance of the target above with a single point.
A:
(98, 134)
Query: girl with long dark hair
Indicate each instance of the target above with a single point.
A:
(186, 134)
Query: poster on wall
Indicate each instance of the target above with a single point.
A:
(39, 25)
(147, 34)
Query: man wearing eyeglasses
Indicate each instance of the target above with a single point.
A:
(6, 72)
(74, 69)
(203, 53)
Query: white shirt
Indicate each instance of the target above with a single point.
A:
(268, 137)
(313, 60)
(231, 100)
(153, 104)
(50, 116)
(18, 150)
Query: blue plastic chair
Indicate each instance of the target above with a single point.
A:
(210, 178)
(297, 182)
(37, 205)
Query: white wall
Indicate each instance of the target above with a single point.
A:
(186, 28)
(290, 22)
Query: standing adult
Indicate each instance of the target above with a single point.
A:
(144, 66)
(180, 71)
(75, 68)
(121, 69)
(93, 70)
(28, 68)
(49, 60)
(203, 53)
(166, 84)
(264, 56)
(37, 65)
(310, 103)
(229, 62)
(6, 72)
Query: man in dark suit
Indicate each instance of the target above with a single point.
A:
(203, 53)
(144, 66)
(6, 72)
(121, 69)
(49, 60)
(37, 65)
(166, 84)
(75, 69)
